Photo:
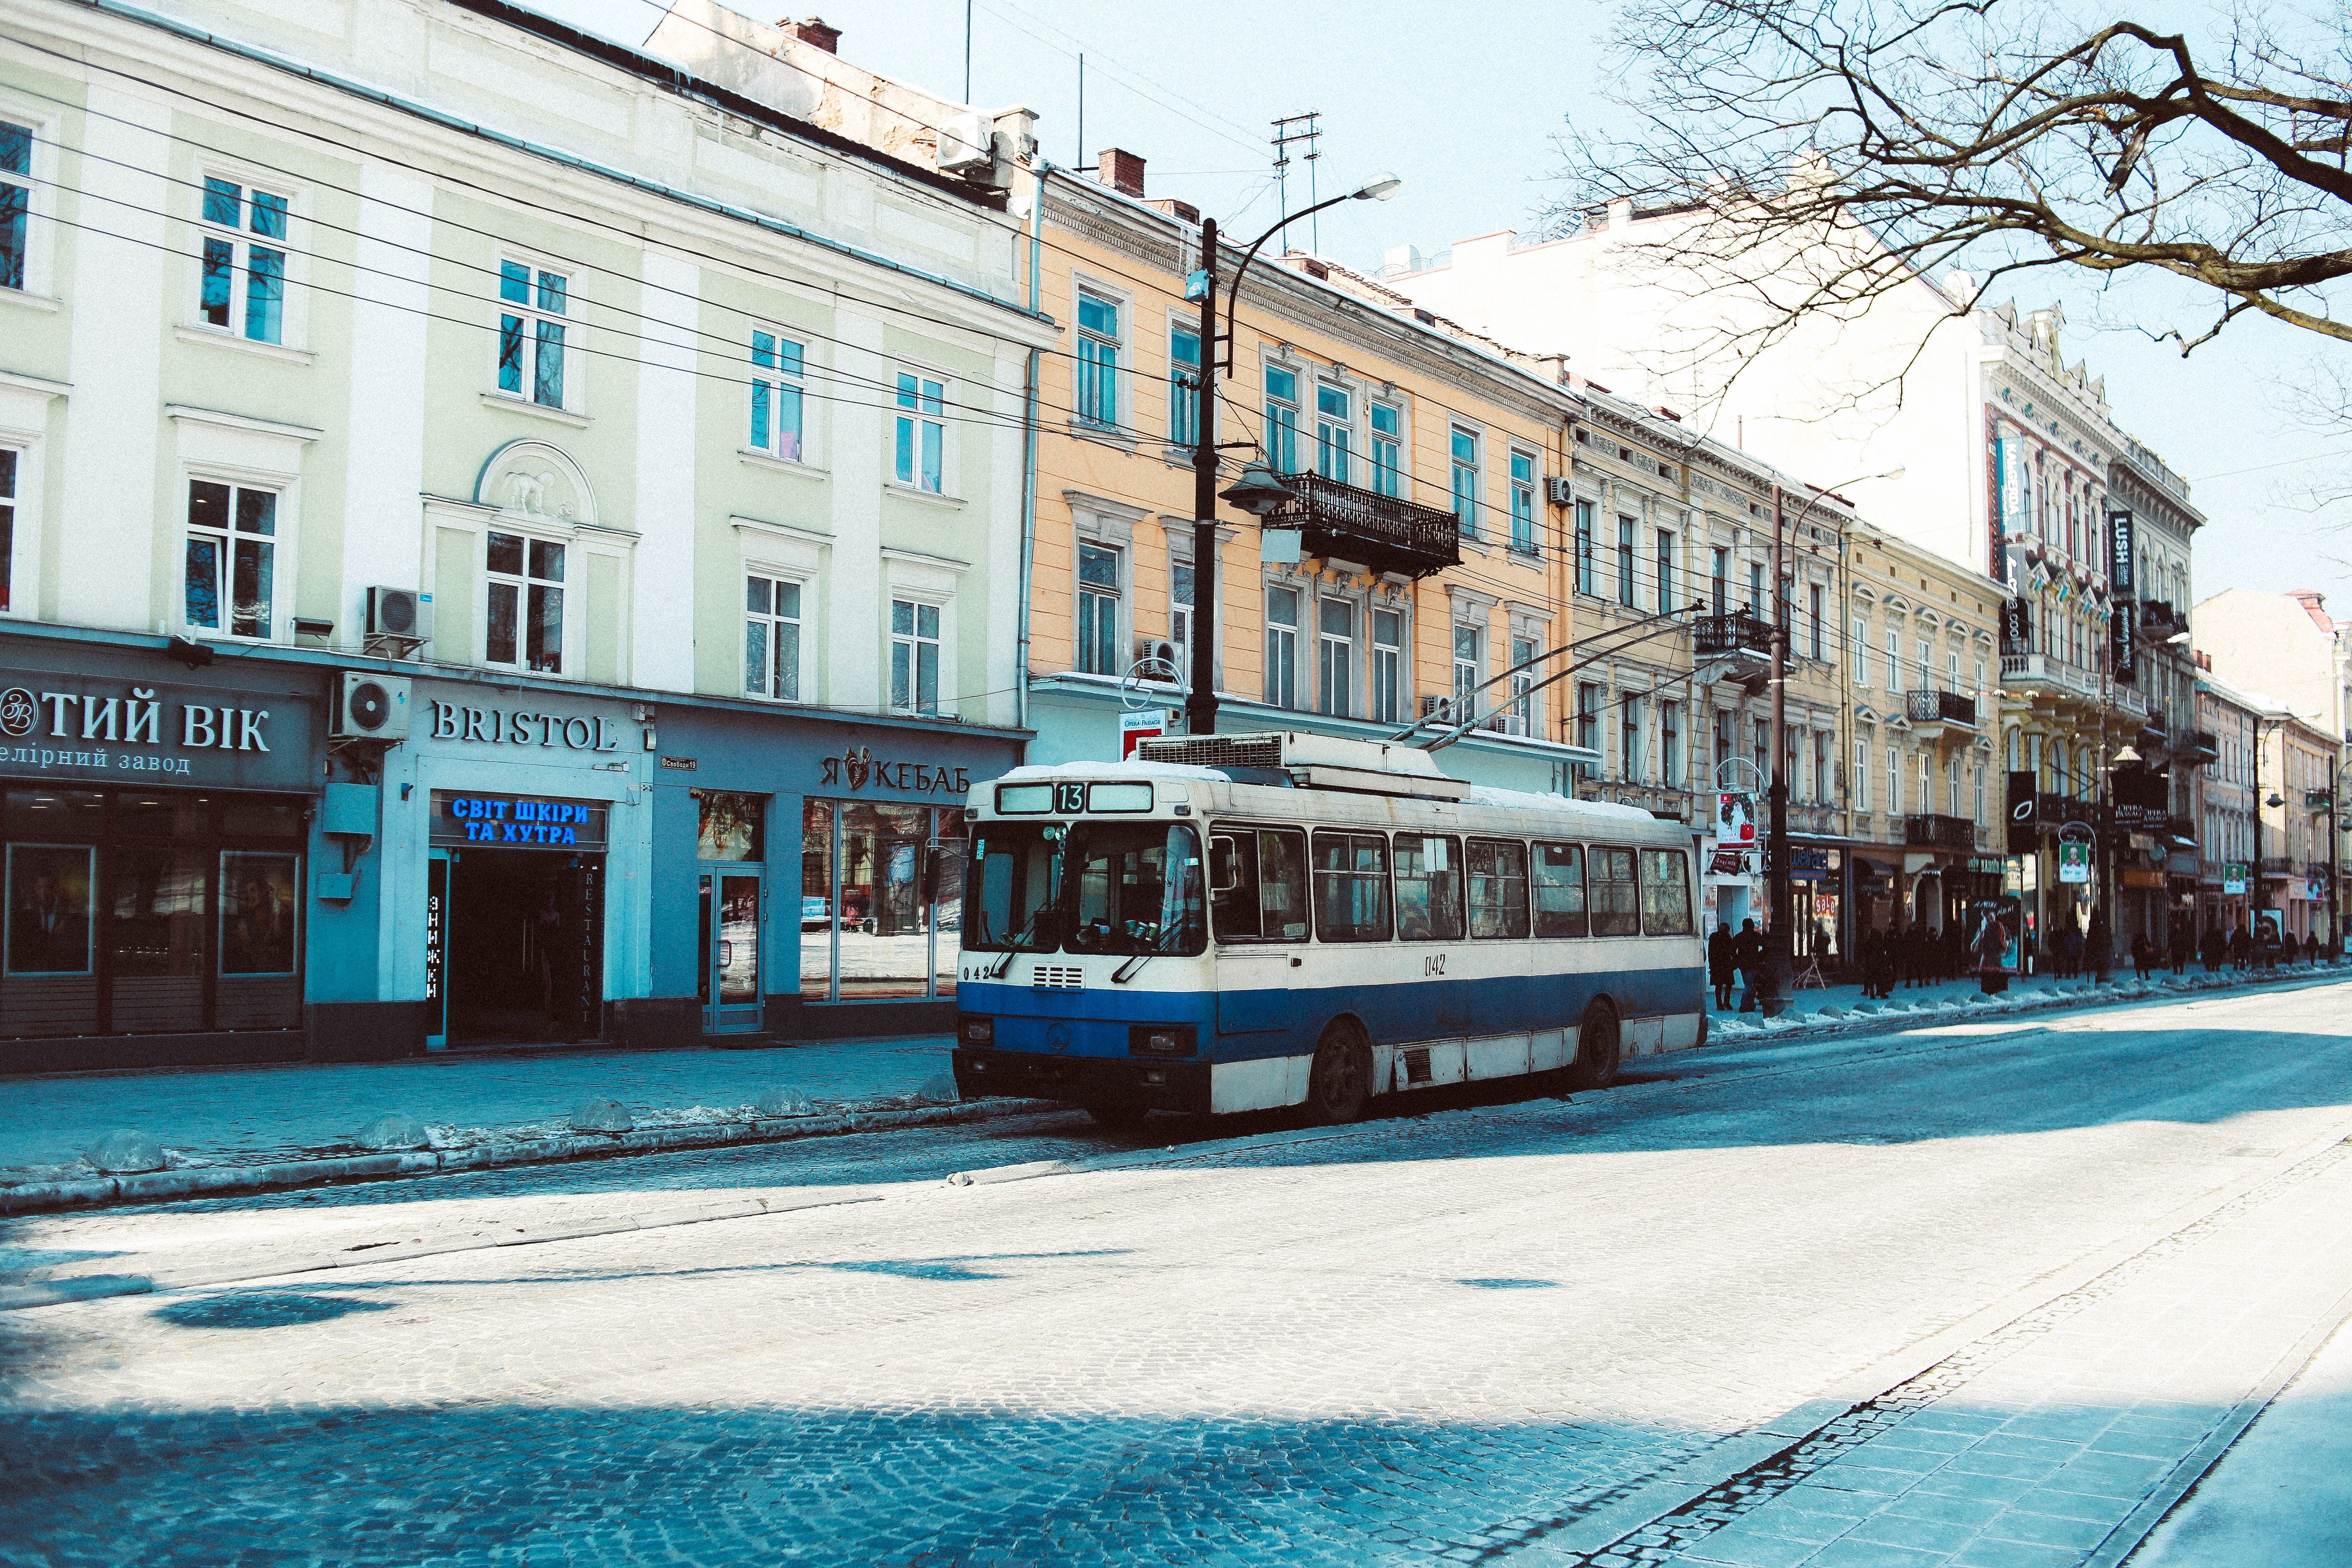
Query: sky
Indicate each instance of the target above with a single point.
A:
(1463, 102)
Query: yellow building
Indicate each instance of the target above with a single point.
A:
(1428, 465)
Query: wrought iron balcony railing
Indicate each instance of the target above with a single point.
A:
(1941, 707)
(1739, 632)
(1386, 533)
(2198, 747)
(1932, 831)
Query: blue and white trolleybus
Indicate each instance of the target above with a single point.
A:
(1234, 923)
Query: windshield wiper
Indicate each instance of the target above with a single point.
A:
(1013, 946)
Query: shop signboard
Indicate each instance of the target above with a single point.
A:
(518, 821)
(2233, 877)
(2073, 861)
(1735, 820)
(109, 731)
(1142, 724)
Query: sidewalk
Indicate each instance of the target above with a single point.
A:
(2023, 989)
(212, 1117)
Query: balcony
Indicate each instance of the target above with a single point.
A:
(1383, 533)
(2280, 866)
(1737, 635)
(2159, 622)
(1939, 832)
(2029, 671)
(2196, 748)
(1933, 712)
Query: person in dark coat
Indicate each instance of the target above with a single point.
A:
(1722, 968)
(2143, 953)
(2242, 947)
(1748, 951)
(2182, 942)
(2214, 949)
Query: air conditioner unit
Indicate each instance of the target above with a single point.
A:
(1558, 490)
(1159, 651)
(402, 613)
(967, 146)
(1507, 724)
(1434, 706)
(369, 706)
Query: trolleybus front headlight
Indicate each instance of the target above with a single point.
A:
(1159, 1040)
(976, 1031)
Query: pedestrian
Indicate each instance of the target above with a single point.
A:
(2182, 942)
(1721, 966)
(2242, 947)
(2214, 949)
(2143, 953)
(1748, 951)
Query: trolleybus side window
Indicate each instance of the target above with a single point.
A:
(1351, 886)
(1665, 893)
(1016, 872)
(1498, 889)
(1559, 889)
(1428, 888)
(1257, 880)
(1616, 909)
(1137, 887)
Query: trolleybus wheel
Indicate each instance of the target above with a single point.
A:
(1118, 1117)
(1341, 1083)
(1596, 1049)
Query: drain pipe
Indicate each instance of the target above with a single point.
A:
(1029, 460)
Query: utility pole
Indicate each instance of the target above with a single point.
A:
(1201, 696)
(1283, 138)
(1772, 996)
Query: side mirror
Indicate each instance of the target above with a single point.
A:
(1224, 865)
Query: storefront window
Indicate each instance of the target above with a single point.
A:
(732, 826)
(881, 915)
(150, 911)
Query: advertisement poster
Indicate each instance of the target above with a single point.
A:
(2074, 862)
(1735, 820)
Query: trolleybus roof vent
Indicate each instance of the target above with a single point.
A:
(1214, 751)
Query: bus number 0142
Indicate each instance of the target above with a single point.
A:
(1435, 963)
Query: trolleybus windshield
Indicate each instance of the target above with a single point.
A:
(1124, 887)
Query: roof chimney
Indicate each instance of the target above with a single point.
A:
(2312, 599)
(814, 33)
(1121, 170)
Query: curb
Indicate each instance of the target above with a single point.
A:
(156, 1187)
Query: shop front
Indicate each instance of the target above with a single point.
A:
(157, 821)
(1817, 887)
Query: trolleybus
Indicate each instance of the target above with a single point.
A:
(1235, 922)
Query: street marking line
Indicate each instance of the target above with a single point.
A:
(50, 1293)
(2183, 1477)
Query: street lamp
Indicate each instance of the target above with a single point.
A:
(1773, 996)
(1260, 490)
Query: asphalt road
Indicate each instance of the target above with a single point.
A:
(1978, 1294)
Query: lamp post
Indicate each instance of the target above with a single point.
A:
(1773, 996)
(1260, 490)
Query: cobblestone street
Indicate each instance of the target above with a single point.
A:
(1982, 1293)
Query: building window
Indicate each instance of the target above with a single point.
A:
(1098, 361)
(1588, 724)
(1821, 766)
(1388, 448)
(772, 638)
(1388, 667)
(1927, 789)
(1334, 435)
(1976, 783)
(232, 557)
(1952, 786)
(1183, 385)
(1469, 646)
(1862, 775)
(1281, 648)
(1523, 686)
(8, 460)
(1629, 737)
(1625, 561)
(921, 455)
(1927, 670)
(1791, 754)
(1335, 647)
(914, 656)
(532, 330)
(1724, 745)
(776, 372)
(1523, 503)
(1670, 744)
(1861, 652)
(885, 929)
(1179, 617)
(1665, 573)
(1584, 566)
(1813, 619)
(16, 203)
(244, 278)
(1465, 481)
(1951, 670)
(1755, 587)
(1099, 610)
(1894, 661)
(1894, 779)
(1761, 737)
(523, 624)
(1719, 589)
(1281, 420)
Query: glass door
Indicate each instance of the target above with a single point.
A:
(731, 945)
